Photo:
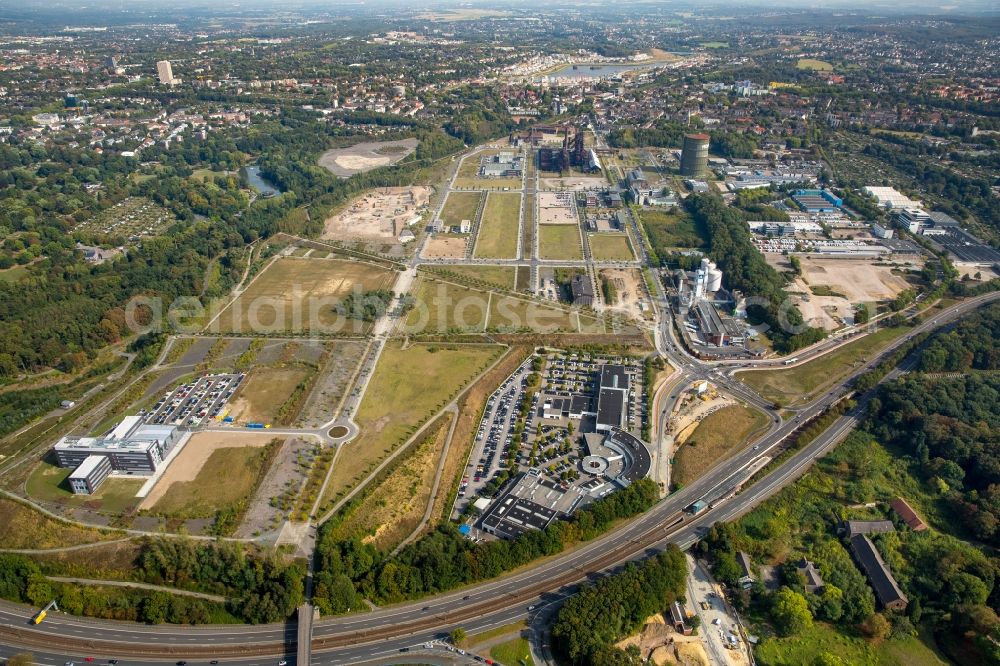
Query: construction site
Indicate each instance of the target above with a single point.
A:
(382, 214)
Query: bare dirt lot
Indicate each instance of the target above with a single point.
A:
(574, 183)
(196, 452)
(828, 289)
(445, 247)
(858, 280)
(378, 215)
(285, 473)
(361, 157)
(629, 291)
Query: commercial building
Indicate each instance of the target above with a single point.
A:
(694, 155)
(880, 232)
(612, 397)
(88, 477)
(165, 73)
(913, 219)
(131, 447)
(583, 291)
(877, 571)
(889, 197)
(502, 165)
(817, 201)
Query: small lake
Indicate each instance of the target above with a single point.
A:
(256, 181)
(584, 71)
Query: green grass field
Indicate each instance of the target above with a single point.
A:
(460, 206)
(559, 241)
(408, 387)
(610, 247)
(502, 277)
(788, 386)
(116, 495)
(443, 307)
(227, 479)
(512, 652)
(715, 45)
(13, 274)
(497, 237)
(717, 437)
(814, 65)
(805, 647)
(669, 230)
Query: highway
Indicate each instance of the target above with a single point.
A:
(356, 638)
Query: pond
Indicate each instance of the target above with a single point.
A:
(256, 181)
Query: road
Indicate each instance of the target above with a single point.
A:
(353, 638)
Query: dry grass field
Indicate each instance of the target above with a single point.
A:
(717, 437)
(408, 387)
(263, 393)
(23, 527)
(213, 472)
(559, 241)
(460, 206)
(610, 247)
(392, 508)
(300, 295)
(500, 226)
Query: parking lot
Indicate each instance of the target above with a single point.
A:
(190, 404)
(495, 438)
(561, 408)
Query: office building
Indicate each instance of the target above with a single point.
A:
(694, 155)
(165, 73)
(88, 477)
(131, 447)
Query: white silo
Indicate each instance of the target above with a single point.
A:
(714, 279)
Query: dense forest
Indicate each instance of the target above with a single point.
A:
(443, 559)
(593, 620)
(260, 588)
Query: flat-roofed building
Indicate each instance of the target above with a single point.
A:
(88, 477)
(612, 397)
(130, 447)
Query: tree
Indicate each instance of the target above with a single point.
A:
(876, 626)
(457, 636)
(790, 612)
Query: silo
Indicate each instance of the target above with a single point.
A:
(714, 279)
(694, 155)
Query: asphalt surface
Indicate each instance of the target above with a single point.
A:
(502, 601)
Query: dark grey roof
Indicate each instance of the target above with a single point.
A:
(879, 576)
(868, 527)
(610, 407)
(613, 376)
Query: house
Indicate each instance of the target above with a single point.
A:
(746, 567)
(810, 574)
(908, 515)
(879, 577)
(855, 527)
